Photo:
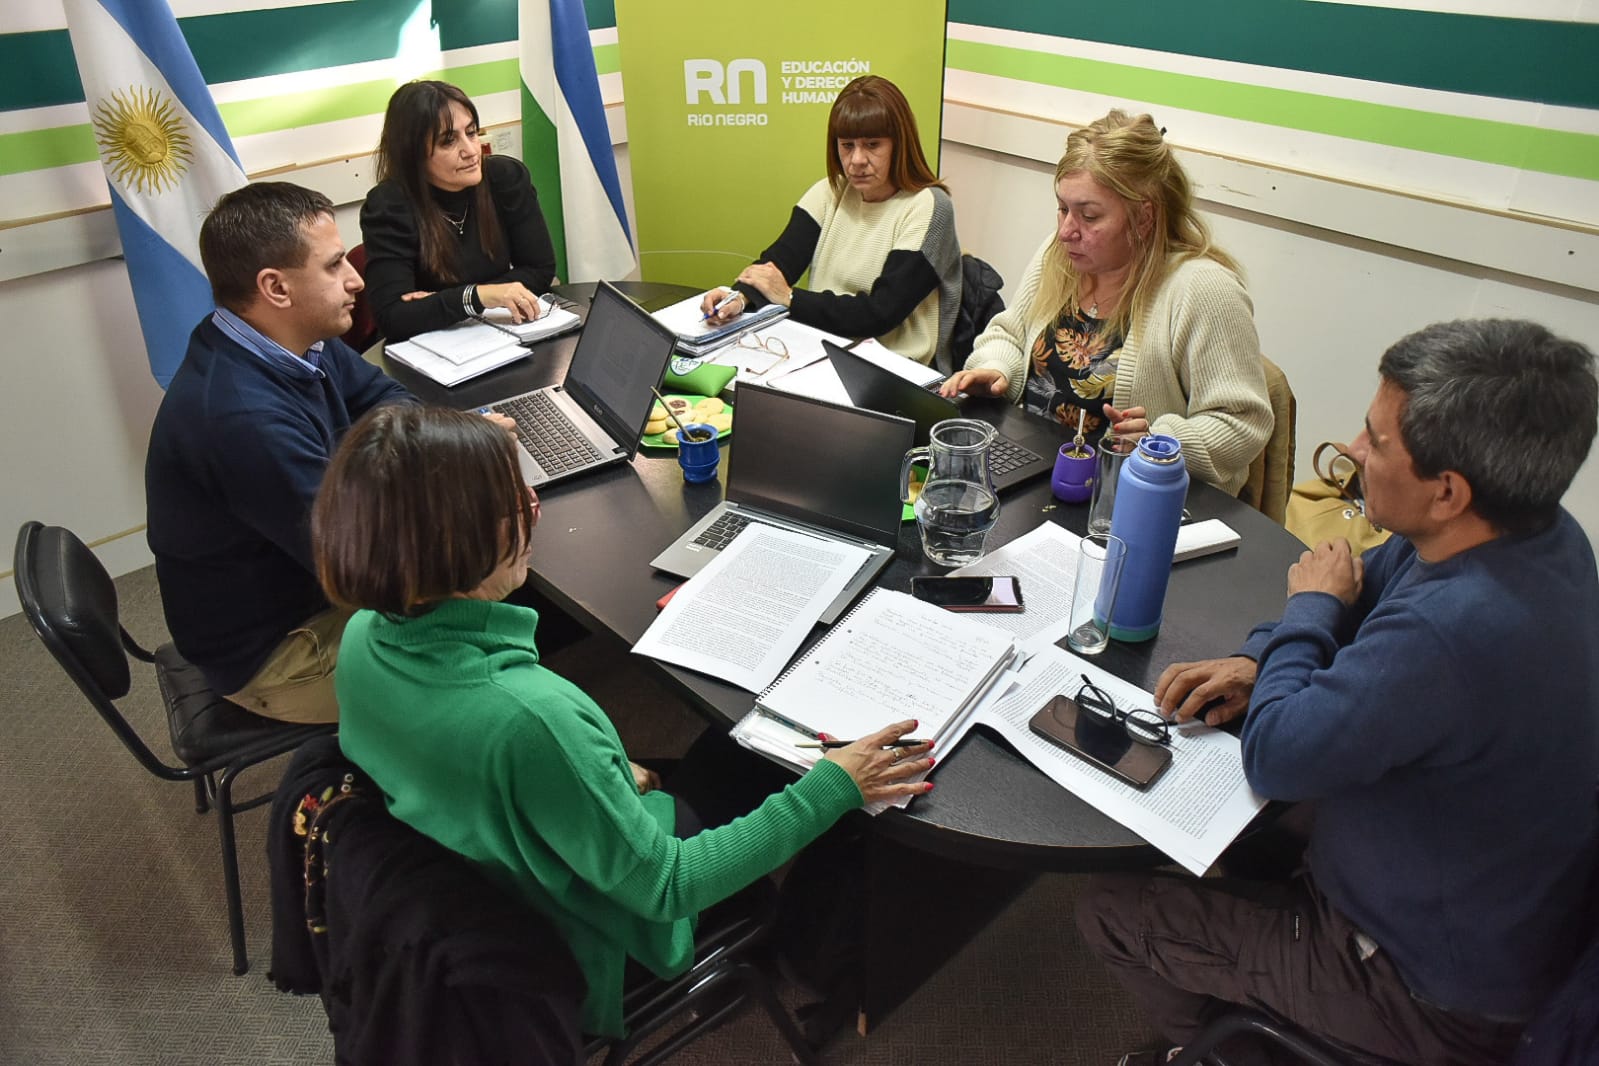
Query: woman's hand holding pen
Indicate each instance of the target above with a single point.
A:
(882, 772)
(514, 297)
(721, 306)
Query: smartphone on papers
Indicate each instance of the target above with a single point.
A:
(969, 593)
(1105, 744)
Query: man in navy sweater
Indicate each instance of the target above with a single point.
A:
(1435, 703)
(240, 444)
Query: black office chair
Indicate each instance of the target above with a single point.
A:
(732, 967)
(1202, 1051)
(71, 603)
(399, 900)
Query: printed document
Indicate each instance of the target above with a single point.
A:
(742, 618)
(1192, 812)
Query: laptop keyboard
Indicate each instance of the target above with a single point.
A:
(547, 434)
(720, 533)
(1005, 455)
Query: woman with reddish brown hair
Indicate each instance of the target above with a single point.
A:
(877, 234)
(448, 230)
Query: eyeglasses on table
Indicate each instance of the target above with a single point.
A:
(773, 346)
(1141, 724)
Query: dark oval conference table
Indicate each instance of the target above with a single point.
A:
(993, 819)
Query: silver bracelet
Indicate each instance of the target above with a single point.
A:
(466, 301)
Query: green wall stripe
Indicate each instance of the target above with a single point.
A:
(63, 145)
(38, 69)
(43, 149)
(1520, 59)
(1508, 144)
(1528, 59)
(607, 58)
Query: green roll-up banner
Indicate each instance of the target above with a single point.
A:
(727, 114)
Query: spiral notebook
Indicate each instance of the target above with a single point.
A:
(891, 658)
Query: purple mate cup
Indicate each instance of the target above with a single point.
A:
(1073, 481)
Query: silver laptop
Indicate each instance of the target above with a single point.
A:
(596, 416)
(810, 466)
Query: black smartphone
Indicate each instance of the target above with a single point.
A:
(1105, 744)
(969, 593)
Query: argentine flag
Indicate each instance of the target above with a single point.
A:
(566, 145)
(167, 158)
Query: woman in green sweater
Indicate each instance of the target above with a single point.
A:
(423, 524)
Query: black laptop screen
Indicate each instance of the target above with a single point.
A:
(621, 354)
(818, 462)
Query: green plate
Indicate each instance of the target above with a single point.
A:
(658, 440)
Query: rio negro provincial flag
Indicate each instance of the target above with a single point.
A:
(567, 146)
(166, 154)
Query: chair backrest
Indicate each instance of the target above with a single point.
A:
(1271, 475)
(402, 922)
(980, 302)
(71, 602)
(363, 327)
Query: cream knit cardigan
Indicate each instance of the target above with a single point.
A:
(1192, 361)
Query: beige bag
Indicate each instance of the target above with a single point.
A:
(1331, 504)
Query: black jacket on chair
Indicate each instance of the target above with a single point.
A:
(420, 958)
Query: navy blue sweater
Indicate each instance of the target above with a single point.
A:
(1447, 726)
(236, 454)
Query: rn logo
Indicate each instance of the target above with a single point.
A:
(724, 85)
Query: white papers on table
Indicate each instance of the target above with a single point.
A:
(742, 617)
(820, 381)
(1191, 812)
(916, 373)
(803, 344)
(465, 350)
(1044, 563)
(696, 336)
(891, 658)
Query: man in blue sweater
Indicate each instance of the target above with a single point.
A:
(240, 444)
(1436, 704)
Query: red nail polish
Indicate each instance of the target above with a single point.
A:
(931, 762)
(929, 787)
(823, 736)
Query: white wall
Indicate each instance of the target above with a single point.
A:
(79, 398)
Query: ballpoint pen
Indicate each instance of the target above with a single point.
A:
(503, 329)
(723, 302)
(829, 745)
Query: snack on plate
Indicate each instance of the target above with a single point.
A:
(707, 407)
(722, 421)
(656, 425)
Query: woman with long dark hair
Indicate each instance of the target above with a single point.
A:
(448, 230)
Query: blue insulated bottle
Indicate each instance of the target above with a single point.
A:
(1149, 508)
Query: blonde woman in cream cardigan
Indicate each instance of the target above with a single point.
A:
(1129, 317)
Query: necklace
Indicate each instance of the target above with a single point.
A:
(459, 224)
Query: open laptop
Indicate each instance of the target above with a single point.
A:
(1010, 462)
(596, 416)
(810, 466)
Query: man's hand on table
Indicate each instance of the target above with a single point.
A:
(1186, 689)
(1329, 567)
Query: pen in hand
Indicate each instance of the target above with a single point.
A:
(829, 745)
(723, 302)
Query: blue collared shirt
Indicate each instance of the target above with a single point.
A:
(309, 366)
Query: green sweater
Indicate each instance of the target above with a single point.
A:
(497, 758)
